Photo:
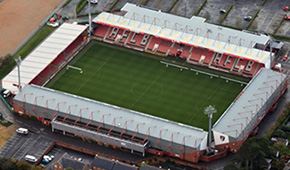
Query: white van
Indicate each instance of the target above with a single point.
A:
(22, 131)
(6, 93)
(30, 158)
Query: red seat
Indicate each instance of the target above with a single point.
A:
(208, 56)
(196, 54)
(111, 35)
(153, 41)
(238, 63)
(101, 31)
(164, 46)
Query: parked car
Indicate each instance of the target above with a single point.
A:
(22, 131)
(94, 1)
(53, 24)
(248, 18)
(30, 158)
(223, 11)
(6, 93)
(285, 57)
(48, 157)
(285, 8)
(287, 17)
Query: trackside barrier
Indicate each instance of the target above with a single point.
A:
(229, 79)
(174, 65)
(202, 72)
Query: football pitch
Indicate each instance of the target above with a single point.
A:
(138, 81)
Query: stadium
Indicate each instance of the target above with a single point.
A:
(141, 83)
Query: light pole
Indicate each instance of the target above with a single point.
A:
(90, 18)
(18, 62)
(209, 111)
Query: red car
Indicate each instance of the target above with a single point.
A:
(285, 57)
(285, 8)
(287, 17)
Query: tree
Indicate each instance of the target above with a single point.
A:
(252, 153)
(231, 166)
(23, 166)
(69, 168)
(7, 164)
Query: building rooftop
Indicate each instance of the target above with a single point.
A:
(113, 115)
(43, 55)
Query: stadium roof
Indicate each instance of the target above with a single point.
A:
(194, 31)
(249, 103)
(183, 134)
(43, 55)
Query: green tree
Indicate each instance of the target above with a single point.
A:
(23, 166)
(252, 153)
(7, 164)
(69, 168)
(231, 166)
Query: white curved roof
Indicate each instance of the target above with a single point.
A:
(194, 31)
(106, 112)
(43, 55)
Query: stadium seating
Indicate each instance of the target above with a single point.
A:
(113, 33)
(239, 62)
(196, 54)
(71, 47)
(47, 70)
(101, 31)
(164, 46)
(208, 56)
(139, 40)
(153, 41)
(59, 59)
(225, 62)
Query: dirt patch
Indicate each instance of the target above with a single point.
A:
(6, 133)
(18, 18)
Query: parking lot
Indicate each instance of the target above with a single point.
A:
(58, 152)
(20, 145)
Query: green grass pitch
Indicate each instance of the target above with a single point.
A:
(138, 81)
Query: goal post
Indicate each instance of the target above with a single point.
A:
(75, 68)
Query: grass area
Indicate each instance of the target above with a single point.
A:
(139, 81)
(5, 123)
(6, 133)
(80, 5)
(253, 18)
(26, 49)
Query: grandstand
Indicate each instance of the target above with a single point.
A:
(47, 57)
(193, 39)
(142, 29)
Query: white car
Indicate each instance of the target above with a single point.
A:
(48, 157)
(30, 158)
(94, 1)
(22, 131)
(6, 93)
(53, 24)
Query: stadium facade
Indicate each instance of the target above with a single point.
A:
(147, 30)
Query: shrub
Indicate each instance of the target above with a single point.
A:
(80, 5)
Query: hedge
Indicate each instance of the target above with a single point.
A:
(279, 25)
(252, 20)
(226, 14)
(172, 5)
(65, 4)
(113, 5)
(80, 5)
(200, 8)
